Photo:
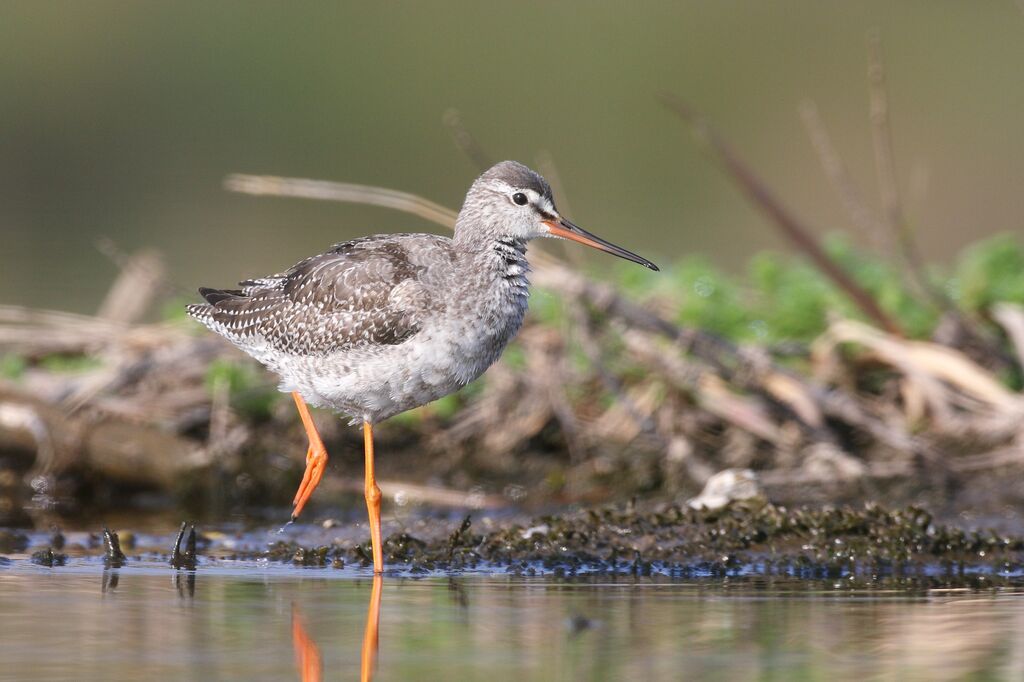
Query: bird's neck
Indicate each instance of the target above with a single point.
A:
(500, 259)
(509, 258)
(491, 289)
(509, 248)
(473, 244)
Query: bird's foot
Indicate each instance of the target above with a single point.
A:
(316, 463)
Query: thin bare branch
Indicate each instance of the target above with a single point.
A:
(892, 207)
(324, 190)
(465, 140)
(759, 194)
(862, 215)
(888, 187)
(881, 135)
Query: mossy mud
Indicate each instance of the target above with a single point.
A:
(857, 547)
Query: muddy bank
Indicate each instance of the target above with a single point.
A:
(742, 540)
(860, 547)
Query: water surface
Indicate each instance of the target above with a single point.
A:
(261, 621)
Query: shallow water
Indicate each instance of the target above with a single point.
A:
(257, 620)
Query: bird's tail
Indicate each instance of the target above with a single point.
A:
(218, 302)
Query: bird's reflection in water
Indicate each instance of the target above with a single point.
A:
(307, 653)
(185, 581)
(111, 576)
(369, 657)
(459, 598)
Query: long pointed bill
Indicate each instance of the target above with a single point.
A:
(567, 230)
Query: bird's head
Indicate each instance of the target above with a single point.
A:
(510, 200)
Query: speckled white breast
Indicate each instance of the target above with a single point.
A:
(484, 307)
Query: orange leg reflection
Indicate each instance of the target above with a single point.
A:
(370, 634)
(307, 653)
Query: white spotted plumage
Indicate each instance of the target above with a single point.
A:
(382, 324)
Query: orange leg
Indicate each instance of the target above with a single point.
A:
(370, 634)
(372, 500)
(316, 459)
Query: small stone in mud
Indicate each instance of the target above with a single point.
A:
(56, 538)
(540, 530)
(725, 487)
(47, 557)
(113, 557)
(186, 559)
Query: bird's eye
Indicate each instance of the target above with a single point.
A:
(520, 199)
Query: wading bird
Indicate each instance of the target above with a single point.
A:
(380, 325)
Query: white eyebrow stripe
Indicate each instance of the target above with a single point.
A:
(537, 200)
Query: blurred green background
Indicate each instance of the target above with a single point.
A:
(121, 119)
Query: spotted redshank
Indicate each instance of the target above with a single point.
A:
(380, 325)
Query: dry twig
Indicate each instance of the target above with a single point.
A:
(863, 217)
(465, 141)
(781, 217)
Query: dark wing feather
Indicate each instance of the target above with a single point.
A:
(215, 296)
(360, 293)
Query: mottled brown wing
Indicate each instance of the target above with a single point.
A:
(360, 293)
